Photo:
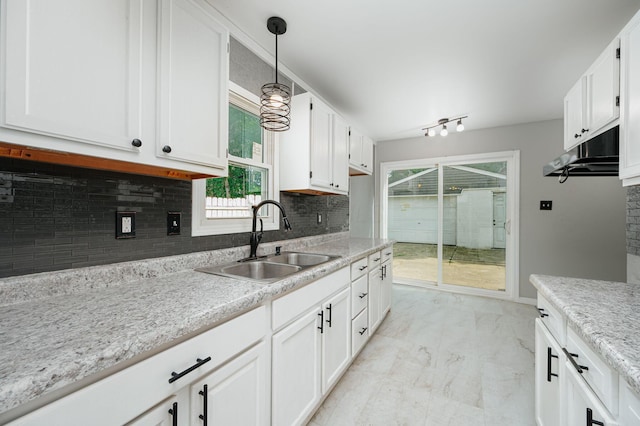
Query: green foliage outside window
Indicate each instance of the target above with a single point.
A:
(244, 132)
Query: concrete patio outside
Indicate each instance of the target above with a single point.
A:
(478, 268)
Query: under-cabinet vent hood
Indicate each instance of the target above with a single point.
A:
(596, 157)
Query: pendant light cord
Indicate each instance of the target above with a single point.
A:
(276, 57)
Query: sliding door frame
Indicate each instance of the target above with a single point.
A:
(512, 251)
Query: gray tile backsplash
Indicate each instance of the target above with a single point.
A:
(633, 220)
(58, 217)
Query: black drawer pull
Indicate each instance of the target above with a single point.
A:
(542, 314)
(321, 328)
(175, 376)
(137, 143)
(166, 149)
(590, 421)
(376, 259)
(328, 308)
(364, 330)
(579, 368)
(363, 295)
(174, 414)
(549, 356)
(362, 268)
(205, 397)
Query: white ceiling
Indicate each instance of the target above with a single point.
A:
(393, 67)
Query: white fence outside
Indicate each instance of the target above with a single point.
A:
(219, 207)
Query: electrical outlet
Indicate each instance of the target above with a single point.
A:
(546, 205)
(125, 225)
(173, 223)
(319, 218)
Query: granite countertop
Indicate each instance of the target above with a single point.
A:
(605, 314)
(64, 327)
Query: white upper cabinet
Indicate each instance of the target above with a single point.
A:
(314, 151)
(73, 70)
(140, 81)
(630, 103)
(193, 98)
(574, 115)
(360, 154)
(591, 106)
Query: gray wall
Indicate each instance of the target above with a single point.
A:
(583, 236)
(361, 206)
(58, 217)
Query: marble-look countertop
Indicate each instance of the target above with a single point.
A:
(58, 329)
(605, 314)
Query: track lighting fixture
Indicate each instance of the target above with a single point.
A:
(275, 101)
(431, 130)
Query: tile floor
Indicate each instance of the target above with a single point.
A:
(440, 359)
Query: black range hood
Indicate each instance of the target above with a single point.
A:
(596, 157)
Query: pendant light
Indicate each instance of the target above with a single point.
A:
(276, 98)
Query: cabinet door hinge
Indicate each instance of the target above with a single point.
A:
(311, 105)
(349, 132)
(310, 175)
(618, 53)
(617, 100)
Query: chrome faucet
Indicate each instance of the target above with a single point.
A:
(256, 237)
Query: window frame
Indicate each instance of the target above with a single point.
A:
(200, 224)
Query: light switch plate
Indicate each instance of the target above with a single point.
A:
(125, 225)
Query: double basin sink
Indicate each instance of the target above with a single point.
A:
(270, 268)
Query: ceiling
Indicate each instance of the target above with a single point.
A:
(394, 67)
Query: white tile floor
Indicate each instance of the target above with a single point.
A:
(440, 359)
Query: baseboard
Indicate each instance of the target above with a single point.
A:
(527, 301)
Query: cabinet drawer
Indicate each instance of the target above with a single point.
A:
(122, 396)
(602, 379)
(359, 332)
(387, 254)
(374, 260)
(359, 295)
(294, 304)
(553, 320)
(359, 268)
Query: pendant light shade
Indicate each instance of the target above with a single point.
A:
(275, 100)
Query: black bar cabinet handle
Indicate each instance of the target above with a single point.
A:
(362, 331)
(363, 295)
(542, 314)
(321, 328)
(175, 376)
(376, 259)
(205, 396)
(362, 268)
(590, 421)
(329, 320)
(174, 413)
(579, 368)
(549, 356)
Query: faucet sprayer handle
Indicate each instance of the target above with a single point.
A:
(287, 225)
(261, 226)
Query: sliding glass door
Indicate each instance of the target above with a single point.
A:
(451, 218)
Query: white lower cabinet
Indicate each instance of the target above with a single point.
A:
(574, 384)
(629, 406)
(582, 406)
(295, 376)
(548, 367)
(311, 346)
(163, 414)
(133, 394)
(233, 394)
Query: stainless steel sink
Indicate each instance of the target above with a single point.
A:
(300, 259)
(269, 268)
(260, 270)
